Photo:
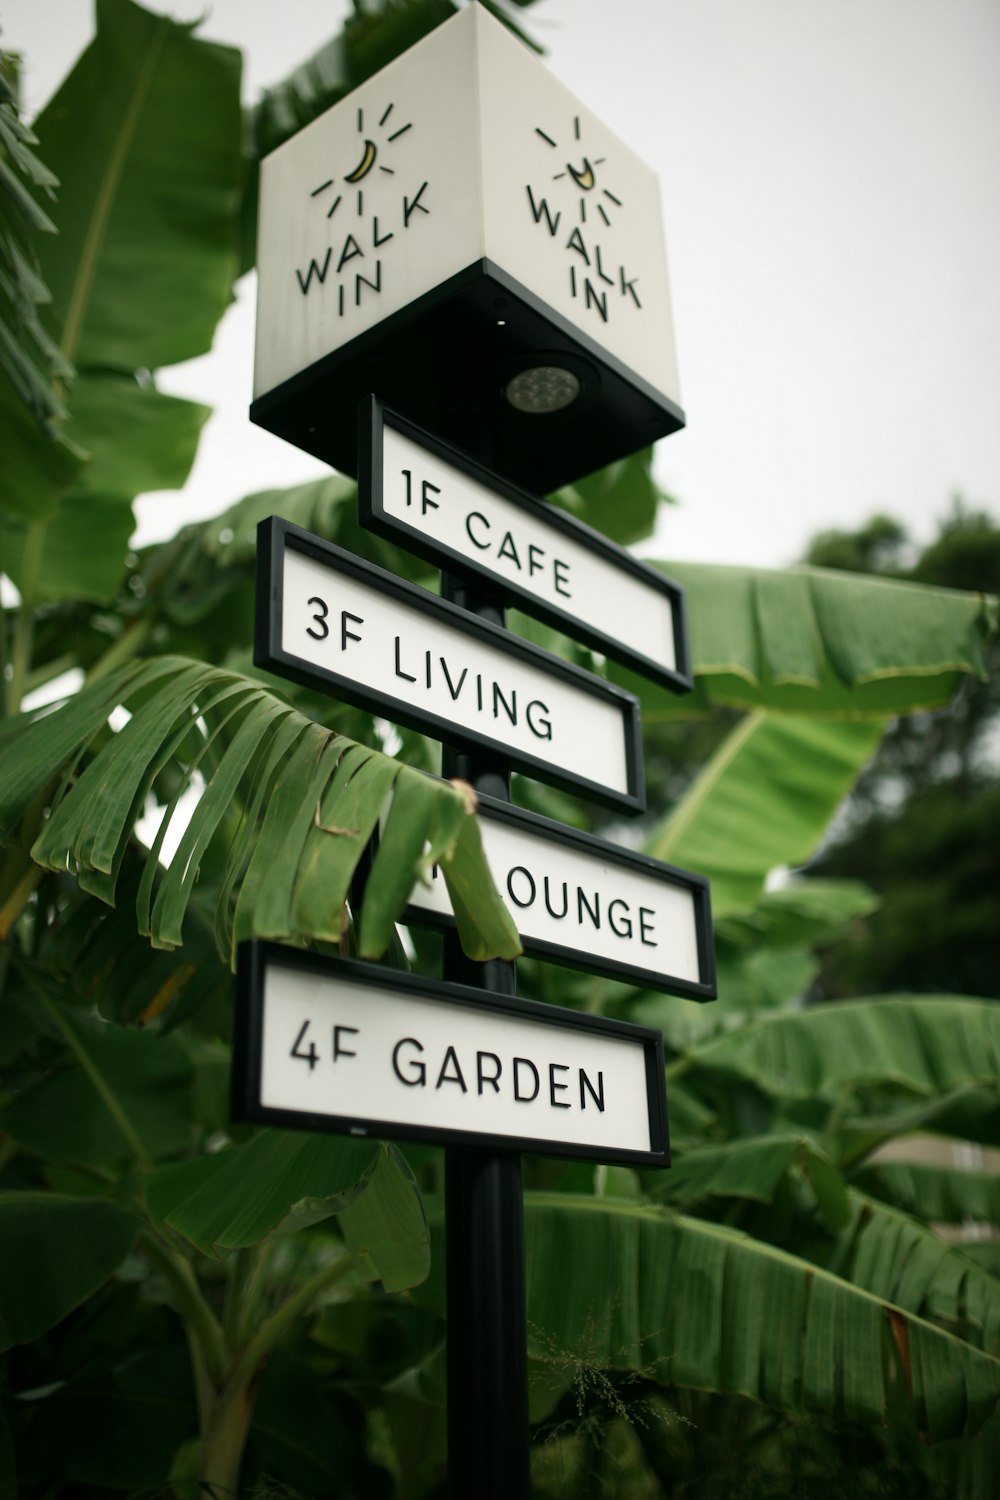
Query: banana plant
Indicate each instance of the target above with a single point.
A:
(192, 1307)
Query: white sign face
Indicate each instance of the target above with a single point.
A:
(579, 900)
(381, 1052)
(548, 563)
(462, 150)
(410, 656)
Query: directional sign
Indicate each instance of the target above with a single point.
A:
(428, 497)
(328, 1044)
(328, 619)
(583, 902)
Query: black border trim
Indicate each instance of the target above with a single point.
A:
(274, 535)
(345, 354)
(374, 417)
(253, 957)
(575, 958)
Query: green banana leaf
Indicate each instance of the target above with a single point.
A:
(927, 1045)
(755, 1168)
(694, 1304)
(818, 641)
(108, 1096)
(893, 1256)
(764, 799)
(139, 274)
(291, 806)
(277, 1182)
(938, 1194)
(56, 1251)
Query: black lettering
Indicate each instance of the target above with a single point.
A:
(625, 930)
(360, 281)
(445, 1077)
(575, 242)
(507, 549)
(475, 515)
(644, 912)
(345, 634)
(418, 1069)
(340, 300)
(322, 628)
(427, 669)
(310, 1055)
(555, 1068)
(593, 912)
(426, 490)
(348, 253)
(543, 729)
(533, 565)
(315, 270)
(560, 575)
(520, 870)
(399, 669)
(629, 286)
(597, 1096)
(600, 269)
(407, 475)
(453, 690)
(483, 1078)
(527, 1063)
(338, 1050)
(548, 904)
(510, 709)
(375, 239)
(572, 281)
(542, 208)
(409, 209)
(594, 298)
(479, 691)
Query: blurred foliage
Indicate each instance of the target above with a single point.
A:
(922, 827)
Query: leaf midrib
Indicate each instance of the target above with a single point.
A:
(93, 242)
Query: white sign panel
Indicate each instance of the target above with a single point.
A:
(463, 149)
(581, 901)
(370, 1051)
(445, 507)
(458, 233)
(327, 617)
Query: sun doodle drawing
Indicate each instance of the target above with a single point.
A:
(371, 150)
(584, 177)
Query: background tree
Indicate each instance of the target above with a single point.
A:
(922, 826)
(189, 1307)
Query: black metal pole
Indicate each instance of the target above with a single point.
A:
(484, 1231)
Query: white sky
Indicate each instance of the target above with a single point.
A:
(830, 172)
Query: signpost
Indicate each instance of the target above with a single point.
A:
(589, 904)
(328, 619)
(463, 237)
(426, 496)
(328, 1044)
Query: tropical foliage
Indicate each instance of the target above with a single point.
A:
(187, 1306)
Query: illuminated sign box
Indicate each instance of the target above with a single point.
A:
(463, 237)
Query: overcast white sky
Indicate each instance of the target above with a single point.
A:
(830, 172)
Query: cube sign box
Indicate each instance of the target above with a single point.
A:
(463, 237)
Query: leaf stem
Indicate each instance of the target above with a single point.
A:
(24, 629)
(131, 640)
(270, 1331)
(205, 1338)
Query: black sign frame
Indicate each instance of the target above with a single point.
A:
(568, 957)
(374, 417)
(253, 957)
(275, 534)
